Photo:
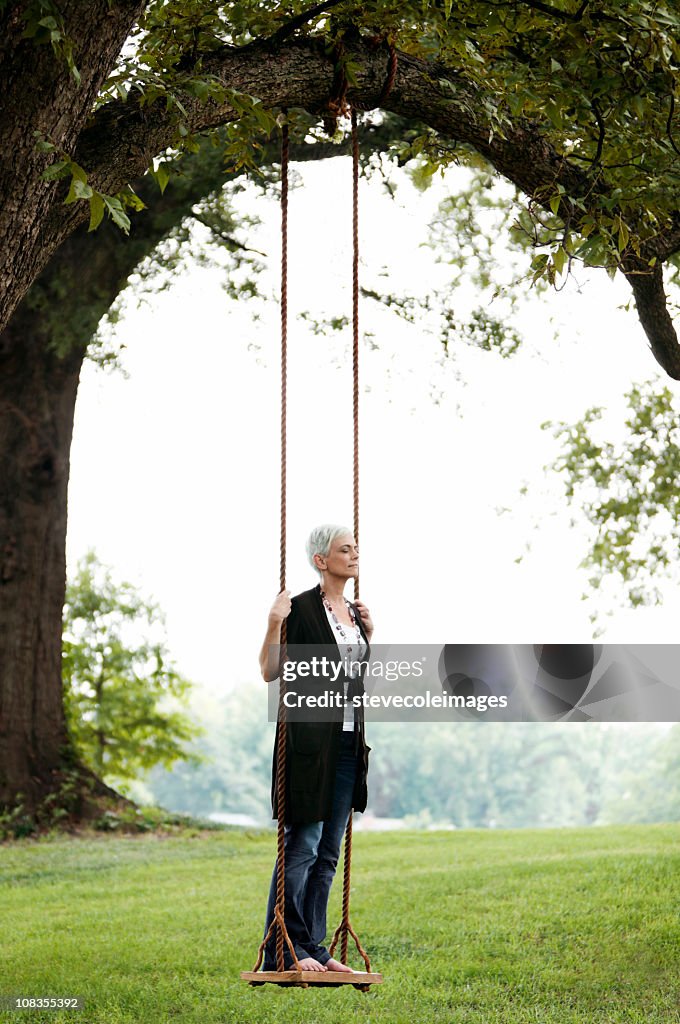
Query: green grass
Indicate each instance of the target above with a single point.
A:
(518, 927)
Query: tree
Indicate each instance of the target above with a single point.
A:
(628, 493)
(123, 696)
(234, 773)
(573, 104)
(650, 789)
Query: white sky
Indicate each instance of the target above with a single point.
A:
(174, 472)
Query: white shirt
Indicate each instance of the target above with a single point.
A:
(352, 646)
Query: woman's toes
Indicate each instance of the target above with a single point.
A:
(310, 964)
(335, 965)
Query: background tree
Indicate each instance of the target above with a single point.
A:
(628, 493)
(123, 697)
(652, 792)
(233, 774)
(573, 104)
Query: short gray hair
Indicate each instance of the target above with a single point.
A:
(320, 540)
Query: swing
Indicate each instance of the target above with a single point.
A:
(361, 980)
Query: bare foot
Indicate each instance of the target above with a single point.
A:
(335, 965)
(310, 964)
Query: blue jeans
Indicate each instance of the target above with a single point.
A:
(311, 857)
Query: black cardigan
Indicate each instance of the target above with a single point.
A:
(312, 748)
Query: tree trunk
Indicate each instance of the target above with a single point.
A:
(37, 400)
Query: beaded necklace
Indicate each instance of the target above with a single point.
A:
(339, 625)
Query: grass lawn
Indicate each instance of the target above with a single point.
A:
(519, 927)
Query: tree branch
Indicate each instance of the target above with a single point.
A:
(123, 138)
(652, 308)
(287, 30)
(554, 12)
(601, 133)
(669, 124)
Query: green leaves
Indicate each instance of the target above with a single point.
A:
(81, 189)
(254, 121)
(627, 492)
(114, 207)
(123, 697)
(600, 85)
(44, 24)
(161, 174)
(96, 212)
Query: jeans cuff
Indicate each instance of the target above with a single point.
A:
(288, 965)
(320, 953)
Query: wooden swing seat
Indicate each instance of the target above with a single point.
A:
(305, 978)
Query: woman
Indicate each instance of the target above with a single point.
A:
(326, 762)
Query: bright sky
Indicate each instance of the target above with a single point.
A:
(174, 471)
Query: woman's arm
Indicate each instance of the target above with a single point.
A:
(279, 611)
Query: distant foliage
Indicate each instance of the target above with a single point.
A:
(466, 774)
(123, 697)
(628, 492)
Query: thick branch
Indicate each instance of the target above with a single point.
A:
(652, 308)
(123, 138)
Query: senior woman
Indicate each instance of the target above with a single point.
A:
(326, 761)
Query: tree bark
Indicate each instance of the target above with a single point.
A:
(40, 94)
(652, 308)
(37, 399)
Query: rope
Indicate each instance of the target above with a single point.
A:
(338, 105)
(389, 80)
(278, 920)
(281, 748)
(284, 345)
(345, 929)
(355, 331)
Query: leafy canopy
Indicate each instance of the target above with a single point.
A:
(599, 78)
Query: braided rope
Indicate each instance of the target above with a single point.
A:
(281, 748)
(284, 345)
(355, 332)
(278, 920)
(345, 929)
(389, 80)
(338, 105)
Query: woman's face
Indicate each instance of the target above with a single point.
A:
(343, 558)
